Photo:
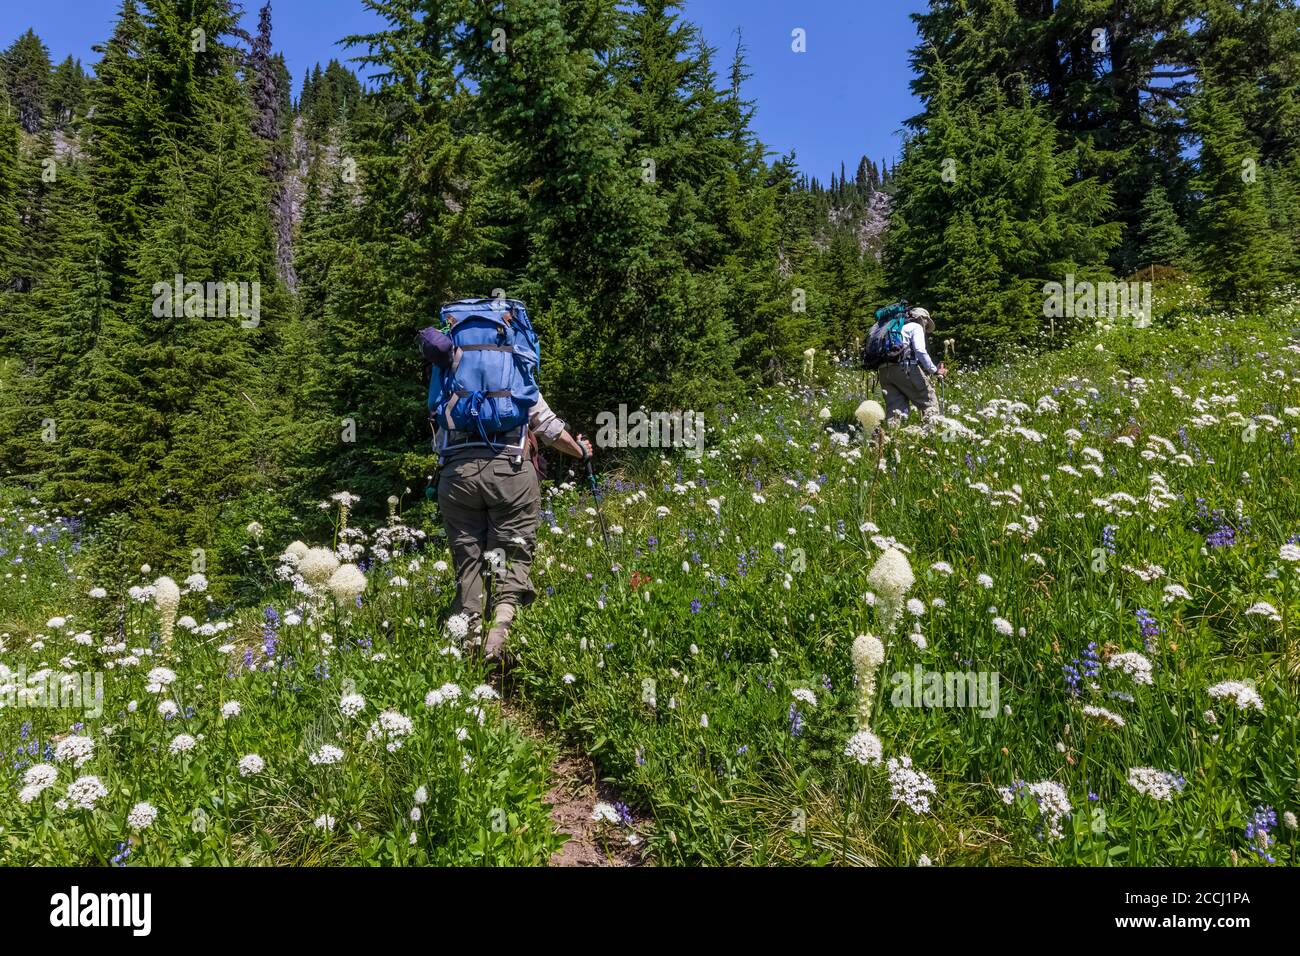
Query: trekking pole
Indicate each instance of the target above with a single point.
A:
(591, 477)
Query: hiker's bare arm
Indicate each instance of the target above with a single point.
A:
(573, 447)
(552, 432)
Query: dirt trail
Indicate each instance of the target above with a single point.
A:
(575, 790)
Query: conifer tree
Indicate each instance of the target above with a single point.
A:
(68, 94)
(26, 65)
(10, 326)
(174, 380)
(391, 231)
(1160, 237)
(8, 191)
(1282, 198)
(989, 211)
(58, 321)
(1234, 237)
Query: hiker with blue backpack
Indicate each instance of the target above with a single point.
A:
(896, 351)
(487, 415)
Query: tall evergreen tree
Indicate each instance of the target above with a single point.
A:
(26, 66)
(174, 381)
(10, 326)
(58, 319)
(68, 94)
(392, 230)
(1234, 234)
(8, 191)
(266, 74)
(990, 210)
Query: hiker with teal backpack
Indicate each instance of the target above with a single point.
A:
(896, 351)
(487, 413)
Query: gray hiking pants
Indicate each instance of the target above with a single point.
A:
(490, 504)
(905, 386)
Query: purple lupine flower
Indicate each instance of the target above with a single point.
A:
(1257, 832)
(270, 632)
(1084, 667)
(624, 814)
(1149, 628)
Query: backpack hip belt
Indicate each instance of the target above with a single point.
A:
(515, 438)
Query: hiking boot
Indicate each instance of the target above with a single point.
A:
(494, 648)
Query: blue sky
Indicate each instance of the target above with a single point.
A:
(846, 96)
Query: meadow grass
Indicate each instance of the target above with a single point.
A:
(1108, 535)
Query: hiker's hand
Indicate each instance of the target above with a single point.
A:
(585, 445)
(943, 370)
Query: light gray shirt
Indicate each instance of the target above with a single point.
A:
(544, 423)
(914, 340)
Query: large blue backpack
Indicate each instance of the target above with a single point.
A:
(485, 394)
(885, 344)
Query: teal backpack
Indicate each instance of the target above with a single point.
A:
(885, 344)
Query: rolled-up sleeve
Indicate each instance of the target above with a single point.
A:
(545, 424)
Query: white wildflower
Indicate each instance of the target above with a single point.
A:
(865, 748)
(142, 816)
(85, 792)
(326, 755)
(805, 695)
(909, 786)
(1133, 664)
(1243, 695)
(251, 764)
(1156, 784)
(75, 750)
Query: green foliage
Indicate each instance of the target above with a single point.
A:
(454, 790)
(1162, 239)
(69, 94)
(1125, 87)
(1236, 241)
(725, 605)
(590, 157)
(26, 68)
(990, 209)
(126, 404)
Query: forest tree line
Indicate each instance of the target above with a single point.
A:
(598, 160)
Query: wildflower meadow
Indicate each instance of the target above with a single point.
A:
(1055, 626)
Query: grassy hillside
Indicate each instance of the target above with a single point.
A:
(1106, 538)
